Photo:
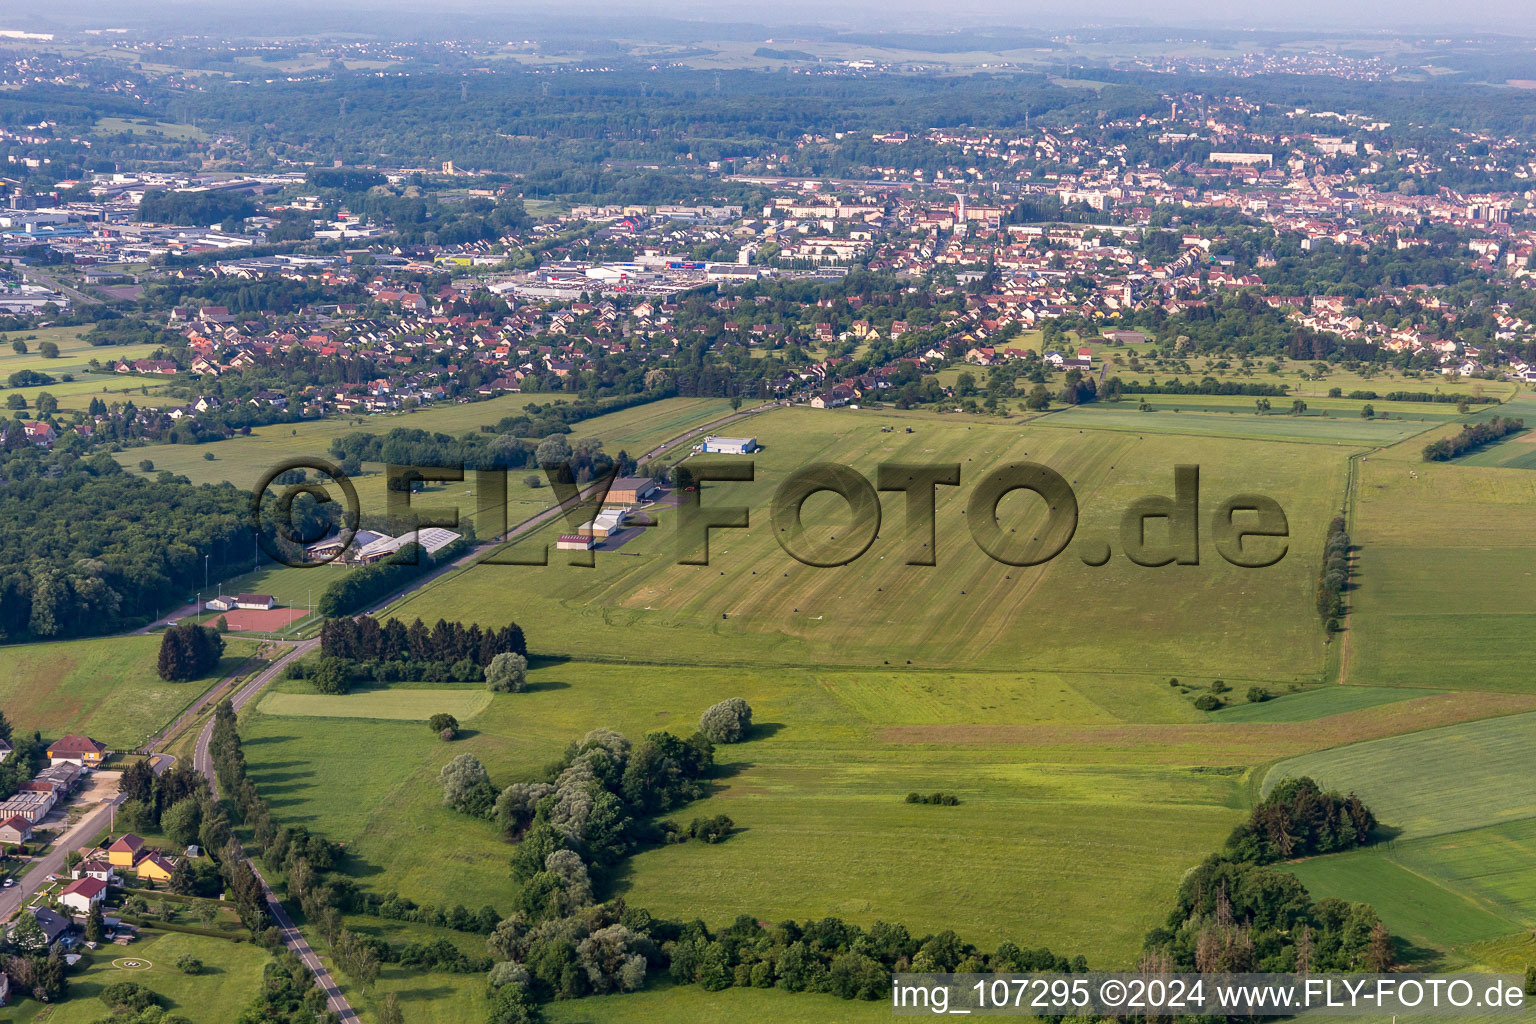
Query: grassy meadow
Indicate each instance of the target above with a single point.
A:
(1039, 695)
(231, 979)
(754, 603)
(106, 688)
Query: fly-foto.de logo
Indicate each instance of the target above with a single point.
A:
(1248, 530)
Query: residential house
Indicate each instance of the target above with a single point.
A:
(155, 866)
(81, 750)
(82, 894)
(15, 830)
(125, 853)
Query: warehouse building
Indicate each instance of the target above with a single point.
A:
(730, 445)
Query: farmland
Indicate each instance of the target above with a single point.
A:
(754, 602)
(1436, 781)
(1420, 910)
(1457, 802)
(1445, 568)
(106, 688)
(1313, 704)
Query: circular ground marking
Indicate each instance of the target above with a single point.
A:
(128, 963)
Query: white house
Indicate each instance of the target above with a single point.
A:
(83, 893)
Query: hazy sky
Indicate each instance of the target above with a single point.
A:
(1514, 16)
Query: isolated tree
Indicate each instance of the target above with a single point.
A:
(444, 723)
(390, 1013)
(189, 964)
(507, 673)
(467, 785)
(727, 722)
(554, 450)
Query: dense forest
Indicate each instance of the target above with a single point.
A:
(91, 549)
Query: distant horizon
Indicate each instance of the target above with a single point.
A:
(1376, 17)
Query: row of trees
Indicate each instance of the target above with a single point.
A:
(1472, 437)
(370, 584)
(1333, 577)
(365, 639)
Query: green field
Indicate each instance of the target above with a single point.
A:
(1038, 695)
(1436, 781)
(1494, 865)
(242, 460)
(828, 773)
(106, 688)
(1446, 571)
(754, 603)
(1327, 421)
(1319, 703)
(232, 978)
(1420, 910)
(397, 703)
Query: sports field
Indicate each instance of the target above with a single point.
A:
(106, 688)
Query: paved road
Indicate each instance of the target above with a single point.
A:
(51, 863)
(203, 761)
(46, 279)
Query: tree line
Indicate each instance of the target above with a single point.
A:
(1333, 577)
(370, 584)
(1472, 437)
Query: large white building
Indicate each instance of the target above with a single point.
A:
(730, 445)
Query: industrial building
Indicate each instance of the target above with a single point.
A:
(729, 445)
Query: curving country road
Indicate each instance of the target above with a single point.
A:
(203, 761)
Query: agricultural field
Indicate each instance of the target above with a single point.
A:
(1445, 570)
(231, 979)
(1432, 918)
(1221, 416)
(394, 703)
(76, 394)
(638, 604)
(1314, 704)
(1024, 691)
(106, 688)
(1494, 865)
(1436, 781)
(1067, 773)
